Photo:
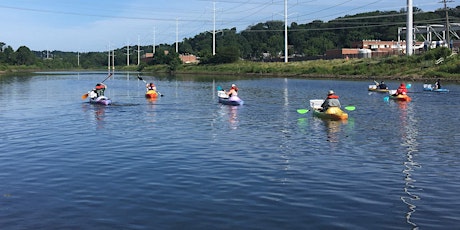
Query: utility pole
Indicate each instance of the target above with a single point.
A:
(108, 59)
(409, 28)
(177, 35)
(138, 51)
(127, 54)
(286, 52)
(214, 30)
(113, 61)
(153, 48)
(447, 24)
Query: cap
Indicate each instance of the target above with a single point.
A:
(331, 92)
(233, 85)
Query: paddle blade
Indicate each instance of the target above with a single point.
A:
(350, 108)
(84, 96)
(386, 99)
(302, 111)
(408, 86)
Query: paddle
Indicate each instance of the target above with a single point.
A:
(84, 96)
(350, 108)
(302, 111)
(139, 77)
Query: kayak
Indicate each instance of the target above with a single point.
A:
(332, 113)
(151, 94)
(233, 100)
(224, 99)
(400, 97)
(428, 87)
(374, 88)
(102, 100)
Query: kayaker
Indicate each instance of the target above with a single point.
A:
(332, 100)
(382, 85)
(233, 91)
(437, 84)
(151, 86)
(401, 90)
(99, 89)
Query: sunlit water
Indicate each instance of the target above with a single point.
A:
(184, 161)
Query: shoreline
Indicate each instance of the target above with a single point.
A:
(284, 75)
(325, 76)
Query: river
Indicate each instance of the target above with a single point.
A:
(184, 161)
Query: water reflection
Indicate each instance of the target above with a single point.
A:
(151, 112)
(333, 129)
(233, 116)
(228, 113)
(151, 101)
(409, 134)
(97, 114)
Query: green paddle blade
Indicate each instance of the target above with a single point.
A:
(350, 108)
(302, 111)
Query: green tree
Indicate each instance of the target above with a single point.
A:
(24, 56)
(9, 55)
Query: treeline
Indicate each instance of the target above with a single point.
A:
(260, 42)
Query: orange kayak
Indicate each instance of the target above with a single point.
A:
(401, 97)
(151, 94)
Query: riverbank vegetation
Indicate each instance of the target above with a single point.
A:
(416, 67)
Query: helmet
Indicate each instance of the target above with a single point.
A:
(331, 92)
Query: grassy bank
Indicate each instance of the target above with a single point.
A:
(414, 68)
(404, 68)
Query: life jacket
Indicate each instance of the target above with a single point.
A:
(332, 96)
(402, 89)
(100, 86)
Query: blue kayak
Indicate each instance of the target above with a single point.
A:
(428, 87)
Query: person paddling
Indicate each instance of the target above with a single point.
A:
(332, 100)
(437, 84)
(151, 86)
(98, 90)
(233, 91)
(401, 90)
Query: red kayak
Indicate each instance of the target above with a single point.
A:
(151, 94)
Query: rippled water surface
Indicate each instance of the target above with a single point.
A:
(184, 161)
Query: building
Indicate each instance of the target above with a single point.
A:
(373, 48)
(188, 58)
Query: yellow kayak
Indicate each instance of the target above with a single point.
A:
(332, 113)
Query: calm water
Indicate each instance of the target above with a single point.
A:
(186, 162)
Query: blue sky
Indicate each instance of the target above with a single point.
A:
(101, 25)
